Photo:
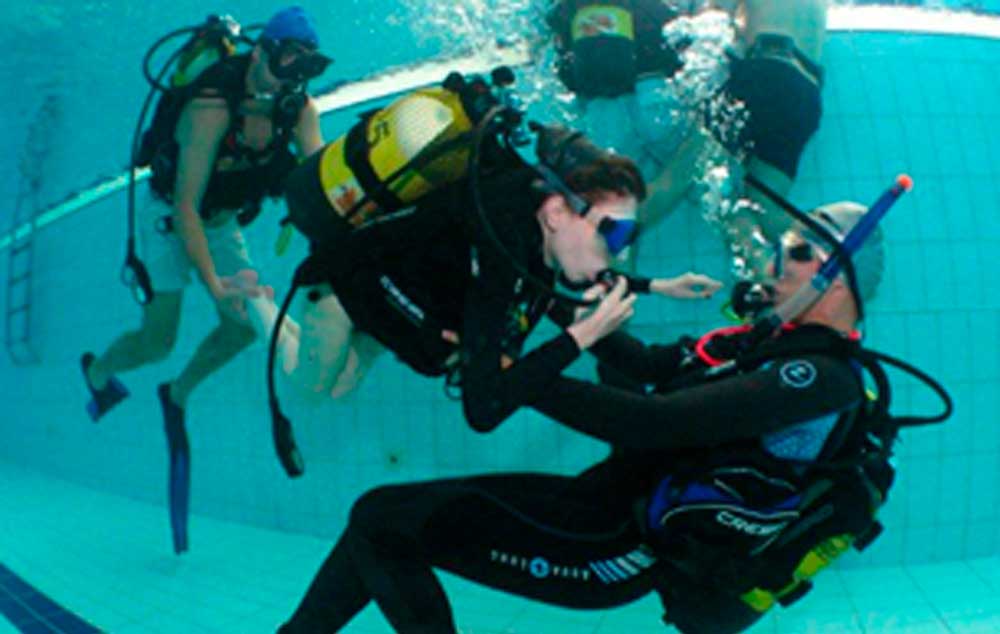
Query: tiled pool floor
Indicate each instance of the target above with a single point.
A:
(108, 560)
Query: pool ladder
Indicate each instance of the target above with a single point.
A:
(21, 258)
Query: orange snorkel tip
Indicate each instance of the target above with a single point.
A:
(904, 181)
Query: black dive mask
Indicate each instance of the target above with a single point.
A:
(307, 64)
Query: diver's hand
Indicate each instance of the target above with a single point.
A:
(614, 310)
(230, 294)
(687, 286)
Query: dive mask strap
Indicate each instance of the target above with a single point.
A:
(576, 202)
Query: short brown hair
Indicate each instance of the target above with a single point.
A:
(609, 173)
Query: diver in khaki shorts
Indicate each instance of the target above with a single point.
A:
(227, 148)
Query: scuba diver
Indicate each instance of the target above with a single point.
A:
(755, 460)
(432, 239)
(218, 145)
(613, 56)
(764, 115)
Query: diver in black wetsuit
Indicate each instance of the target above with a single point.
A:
(431, 285)
(629, 525)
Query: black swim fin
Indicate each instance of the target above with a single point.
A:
(179, 478)
(103, 400)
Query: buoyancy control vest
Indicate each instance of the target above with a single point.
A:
(209, 67)
(758, 523)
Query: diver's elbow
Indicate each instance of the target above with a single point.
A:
(481, 417)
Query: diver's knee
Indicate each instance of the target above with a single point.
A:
(346, 386)
(311, 395)
(370, 510)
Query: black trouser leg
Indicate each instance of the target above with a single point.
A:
(531, 535)
(377, 558)
(335, 595)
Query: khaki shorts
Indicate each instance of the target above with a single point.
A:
(165, 256)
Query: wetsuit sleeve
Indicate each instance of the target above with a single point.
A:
(744, 406)
(641, 285)
(493, 384)
(638, 361)
(642, 363)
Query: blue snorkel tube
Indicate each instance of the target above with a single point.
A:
(806, 296)
(852, 242)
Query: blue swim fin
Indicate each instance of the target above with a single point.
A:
(179, 482)
(102, 400)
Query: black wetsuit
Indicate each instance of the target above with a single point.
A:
(574, 541)
(780, 89)
(609, 66)
(405, 278)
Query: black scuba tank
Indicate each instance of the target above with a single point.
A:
(602, 47)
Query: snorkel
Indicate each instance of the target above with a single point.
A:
(782, 316)
(840, 259)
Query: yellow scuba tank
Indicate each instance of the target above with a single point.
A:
(396, 155)
(210, 43)
(602, 19)
(206, 47)
(812, 563)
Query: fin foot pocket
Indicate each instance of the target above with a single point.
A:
(104, 399)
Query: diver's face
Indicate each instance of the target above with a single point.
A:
(584, 246)
(289, 56)
(796, 264)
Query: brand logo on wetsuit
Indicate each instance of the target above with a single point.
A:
(798, 374)
(539, 567)
(401, 301)
(607, 571)
(751, 528)
(625, 567)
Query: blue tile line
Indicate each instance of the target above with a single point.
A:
(32, 612)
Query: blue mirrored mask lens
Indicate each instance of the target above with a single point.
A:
(618, 233)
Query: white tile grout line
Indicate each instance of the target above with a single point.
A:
(927, 599)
